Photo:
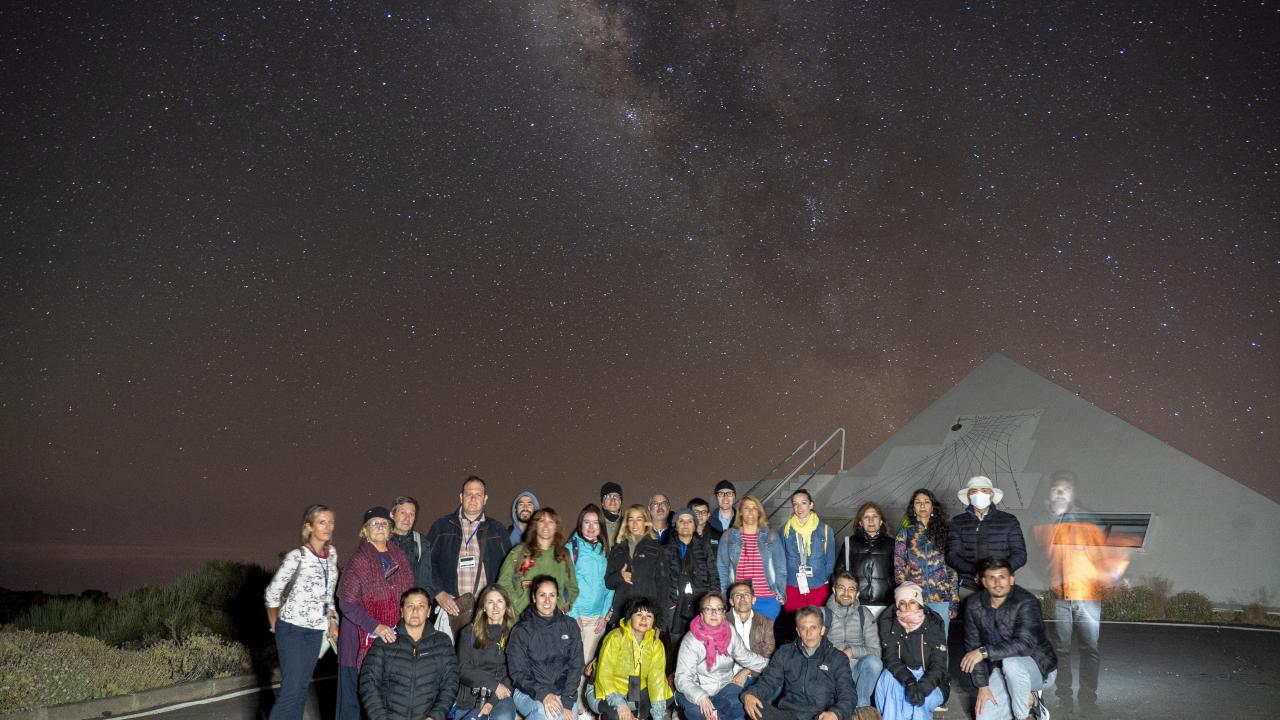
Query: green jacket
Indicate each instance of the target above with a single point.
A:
(516, 582)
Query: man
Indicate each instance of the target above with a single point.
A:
(812, 674)
(702, 513)
(982, 531)
(466, 549)
(755, 630)
(660, 509)
(1006, 650)
(522, 508)
(404, 513)
(726, 496)
(414, 676)
(611, 505)
(1081, 565)
(852, 629)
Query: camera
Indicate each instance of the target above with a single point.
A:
(483, 693)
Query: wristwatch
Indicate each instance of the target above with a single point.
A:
(983, 651)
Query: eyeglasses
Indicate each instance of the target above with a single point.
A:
(725, 493)
(713, 611)
(740, 596)
(379, 525)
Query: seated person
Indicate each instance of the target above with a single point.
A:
(484, 685)
(544, 656)
(913, 646)
(706, 685)
(1008, 654)
(631, 670)
(813, 676)
(853, 629)
(414, 676)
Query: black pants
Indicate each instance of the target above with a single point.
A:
(772, 713)
(608, 712)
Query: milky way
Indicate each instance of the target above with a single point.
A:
(339, 251)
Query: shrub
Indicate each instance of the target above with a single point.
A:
(1128, 603)
(1160, 589)
(49, 669)
(1190, 607)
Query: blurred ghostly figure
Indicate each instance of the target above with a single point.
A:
(1081, 565)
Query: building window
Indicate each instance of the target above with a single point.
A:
(1127, 530)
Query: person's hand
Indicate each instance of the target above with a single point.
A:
(707, 707)
(601, 622)
(502, 692)
(952, 614)
(752, 705)
(333, 629)
(567, 714)
(828, 715)
(446, 602)
(624, 712)
(551, 706)
(740, 678)
(385, 634)
(485, 709)
(848, 652)
(273, 614)
(626, 573)
(970, 661)
(916, 694)
(984, 696)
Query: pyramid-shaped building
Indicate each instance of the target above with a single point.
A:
(1173, 516)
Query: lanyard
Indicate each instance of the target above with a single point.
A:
(472, 536)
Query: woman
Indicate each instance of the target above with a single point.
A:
(589, 549)
(300, 609)
(369, 598)
(751, 552)
(913, 646)
(811, 554)
(544, 656)
(692, 571)
(484, 687)
(631, 674)
(541, 553)
(919, 556)
(706, 685)
(636, 563)
(868, 554)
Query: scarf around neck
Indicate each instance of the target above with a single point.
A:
(911, 620)
(803, 531)
(715, 639)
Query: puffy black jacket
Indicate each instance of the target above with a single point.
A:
(544, 656)
(970, 540)
(926, 647)
(409, 679)
(649, 576)
(1021, 632)
(871, 561)
(484, 667)
(441, 545)
(810, 685)
(694, 571)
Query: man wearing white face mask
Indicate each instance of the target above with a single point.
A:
(982, 531)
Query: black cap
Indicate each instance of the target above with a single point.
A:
(610, 487)
(726, 485)
(376, 511)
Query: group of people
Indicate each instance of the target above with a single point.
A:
(644, 611)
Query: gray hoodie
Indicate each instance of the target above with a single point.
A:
(517, 532)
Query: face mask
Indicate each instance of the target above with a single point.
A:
(982, 501)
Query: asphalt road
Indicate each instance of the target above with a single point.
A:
(1149, 672)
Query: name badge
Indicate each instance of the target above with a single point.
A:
(688, 588)
(806, 570)
(466, 561)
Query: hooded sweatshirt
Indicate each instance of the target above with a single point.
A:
(517, 532)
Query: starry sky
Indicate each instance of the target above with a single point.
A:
(261, 256)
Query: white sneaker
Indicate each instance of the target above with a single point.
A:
(1039, 711)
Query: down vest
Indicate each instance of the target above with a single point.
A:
(409, 679)
(1021, 632)
(871, 561)
(971, 540)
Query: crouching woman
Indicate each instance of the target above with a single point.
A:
(913, 646)
(631, 673)
(706, 686)
(415, 675)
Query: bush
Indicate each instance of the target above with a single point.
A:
(1131, 603)
(1190, 607)
(222, 598)
(38, 669)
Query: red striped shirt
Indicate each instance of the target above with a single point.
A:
(750, 567)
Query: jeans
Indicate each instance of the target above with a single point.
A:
(1011, 684)
(891, 698)
(297, 648)
(1081, 619)
(348, 693)
(727, 702)
(502, 710)
(944, 611)
(866, 671)
(768, 607)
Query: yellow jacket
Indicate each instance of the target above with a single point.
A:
(621, 657)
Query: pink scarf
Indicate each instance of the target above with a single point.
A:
(911, 619)
(715, 639)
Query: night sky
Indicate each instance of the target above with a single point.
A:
(255, 258)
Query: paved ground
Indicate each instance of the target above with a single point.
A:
(1149, 672)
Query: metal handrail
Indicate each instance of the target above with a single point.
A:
(838, 431)
(816, 467)
(756, 484)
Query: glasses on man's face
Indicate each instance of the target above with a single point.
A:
(702, 513)
(740, 596)
(712, 611)
(662, 503)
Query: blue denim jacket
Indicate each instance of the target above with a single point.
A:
(822, 555)
(772, 556)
